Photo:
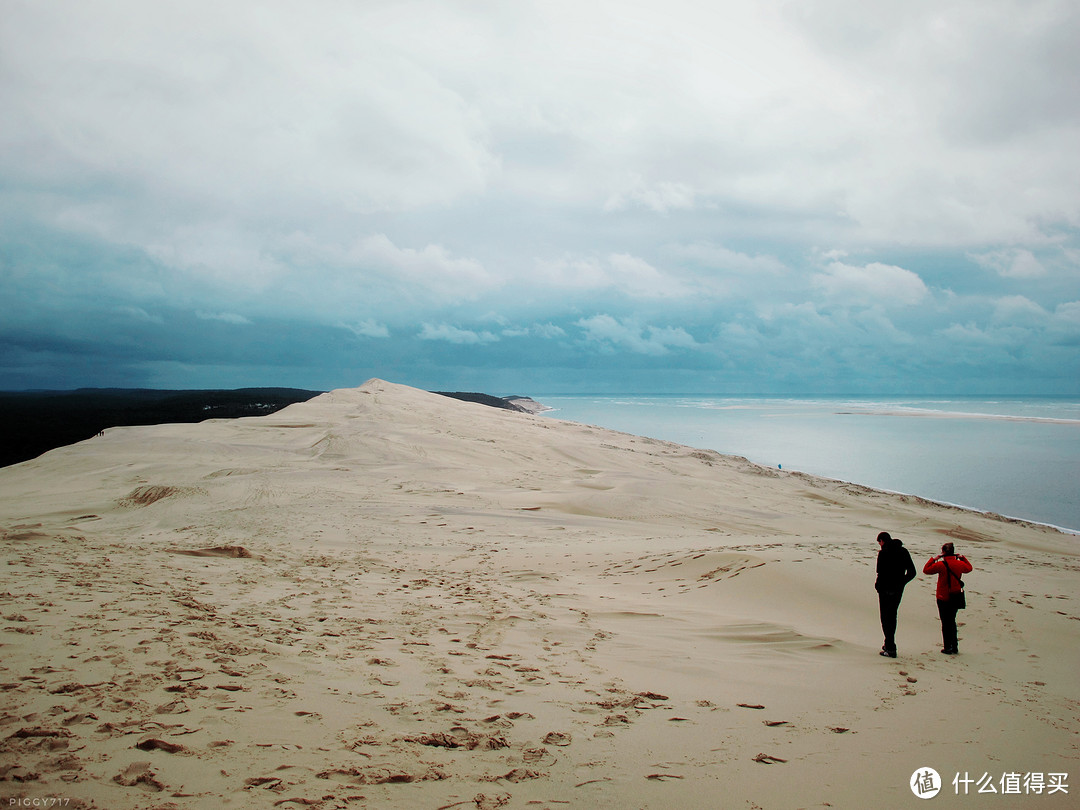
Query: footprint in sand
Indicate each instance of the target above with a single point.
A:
(557, 738)
(154, 744)
(174, 707)
(139, 774)
(766, 759)
(538, 756)
(265, 782)
(484, 802)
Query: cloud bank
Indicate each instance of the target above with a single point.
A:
(824, 196)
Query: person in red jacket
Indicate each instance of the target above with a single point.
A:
(950, 588)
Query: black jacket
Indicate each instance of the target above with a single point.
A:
(894, 567)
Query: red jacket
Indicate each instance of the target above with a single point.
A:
(947, 584)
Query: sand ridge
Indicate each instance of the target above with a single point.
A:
(386, 598)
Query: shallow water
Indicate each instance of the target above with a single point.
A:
(1016, 457)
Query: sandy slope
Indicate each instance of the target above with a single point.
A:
(387, 598)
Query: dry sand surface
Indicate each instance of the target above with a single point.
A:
(387, 598)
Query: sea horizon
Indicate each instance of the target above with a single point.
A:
(1011, 455)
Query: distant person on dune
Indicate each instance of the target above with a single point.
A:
(950, 592)
(894, 570)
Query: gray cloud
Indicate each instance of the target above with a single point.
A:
(611, 333)
(453, 334)
(227, 317)
(812, 194)
(872, 284)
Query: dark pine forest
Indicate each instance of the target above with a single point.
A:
(34, 422)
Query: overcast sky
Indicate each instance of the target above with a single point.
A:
(829, 196)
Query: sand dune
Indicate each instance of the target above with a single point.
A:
(388, 598)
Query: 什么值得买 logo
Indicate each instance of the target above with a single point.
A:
(926, 783)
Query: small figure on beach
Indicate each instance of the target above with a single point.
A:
(950, 592)
(894, 570)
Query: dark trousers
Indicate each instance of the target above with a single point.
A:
(889, 603)
(947, 612)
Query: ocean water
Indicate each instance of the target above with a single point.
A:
(1015, 457)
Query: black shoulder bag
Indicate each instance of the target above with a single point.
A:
(958, 599)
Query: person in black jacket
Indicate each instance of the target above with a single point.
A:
(894, 570)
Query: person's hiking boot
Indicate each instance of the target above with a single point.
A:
(950, 651)
(885, 651)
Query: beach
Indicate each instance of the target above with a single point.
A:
(1016, 457)
(387, 598)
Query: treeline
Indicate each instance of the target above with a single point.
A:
(34, 422)
(506, 403)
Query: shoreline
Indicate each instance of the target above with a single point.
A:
(855, 480)
(946, 504)
(987, 513)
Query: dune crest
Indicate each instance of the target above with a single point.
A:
(389, 598)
